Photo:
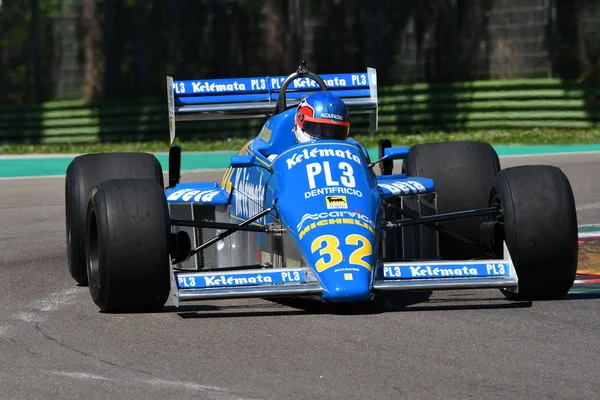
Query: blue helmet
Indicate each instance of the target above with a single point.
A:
(321, 115)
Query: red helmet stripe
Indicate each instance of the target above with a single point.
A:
(326, 121)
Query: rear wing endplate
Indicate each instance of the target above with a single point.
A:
(237, 98)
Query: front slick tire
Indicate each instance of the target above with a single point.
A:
(83, 174)
(127, 253)
(540, 228)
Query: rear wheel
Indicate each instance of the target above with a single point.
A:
(83, 174)
(540, 229)
(127, 243)
(463, 174)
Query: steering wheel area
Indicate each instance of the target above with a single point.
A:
(302, 72)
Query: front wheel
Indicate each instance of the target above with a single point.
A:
(83, 174)
(540, 229)
(127, 250)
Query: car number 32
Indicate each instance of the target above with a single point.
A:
(331, 255)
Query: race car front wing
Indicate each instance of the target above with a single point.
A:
(437, 275)
(389, 276)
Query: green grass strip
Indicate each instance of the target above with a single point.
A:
(536, 136)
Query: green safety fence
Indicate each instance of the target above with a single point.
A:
(402, 109)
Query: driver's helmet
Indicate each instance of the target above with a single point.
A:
(321, 115)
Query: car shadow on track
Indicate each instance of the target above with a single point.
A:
(422, 301)
(284, 306)
(380, 304)
(383, 303)
(472, 306)
(386, 303)
(238, 314)
(190, 311)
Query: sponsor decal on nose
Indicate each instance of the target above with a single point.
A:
(336, 202)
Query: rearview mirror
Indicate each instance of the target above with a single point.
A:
(245, 161)
(396, 153)
(392, 153)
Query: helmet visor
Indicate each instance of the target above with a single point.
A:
(326, 131)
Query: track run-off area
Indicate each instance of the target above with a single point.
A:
(428, 345)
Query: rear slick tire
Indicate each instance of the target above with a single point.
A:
(463, 173)
(127, 246)
(540, 229)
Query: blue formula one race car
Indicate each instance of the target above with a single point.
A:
(313, 219)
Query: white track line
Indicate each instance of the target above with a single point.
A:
(589, 206)
(38, 309)
(12, 178)
(206, 391)
(35, 156)
(183, 171)
(563, 153)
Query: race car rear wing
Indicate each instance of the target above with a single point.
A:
(237, 98)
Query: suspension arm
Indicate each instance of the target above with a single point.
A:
(228, 232)
(218, 225)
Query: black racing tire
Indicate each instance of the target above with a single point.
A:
(540, 229)
(463, 173)
(127, 245)
(83, 174)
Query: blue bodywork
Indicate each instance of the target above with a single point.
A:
(323, 192)
(324, 195)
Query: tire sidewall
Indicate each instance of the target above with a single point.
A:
(76, 213)
(98, 276)
(540, 229)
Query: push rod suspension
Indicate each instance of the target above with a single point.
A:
(223, 235)
(218, 225)
(447, 216)
(415, 219)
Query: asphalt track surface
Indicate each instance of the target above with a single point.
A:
(449, 344)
